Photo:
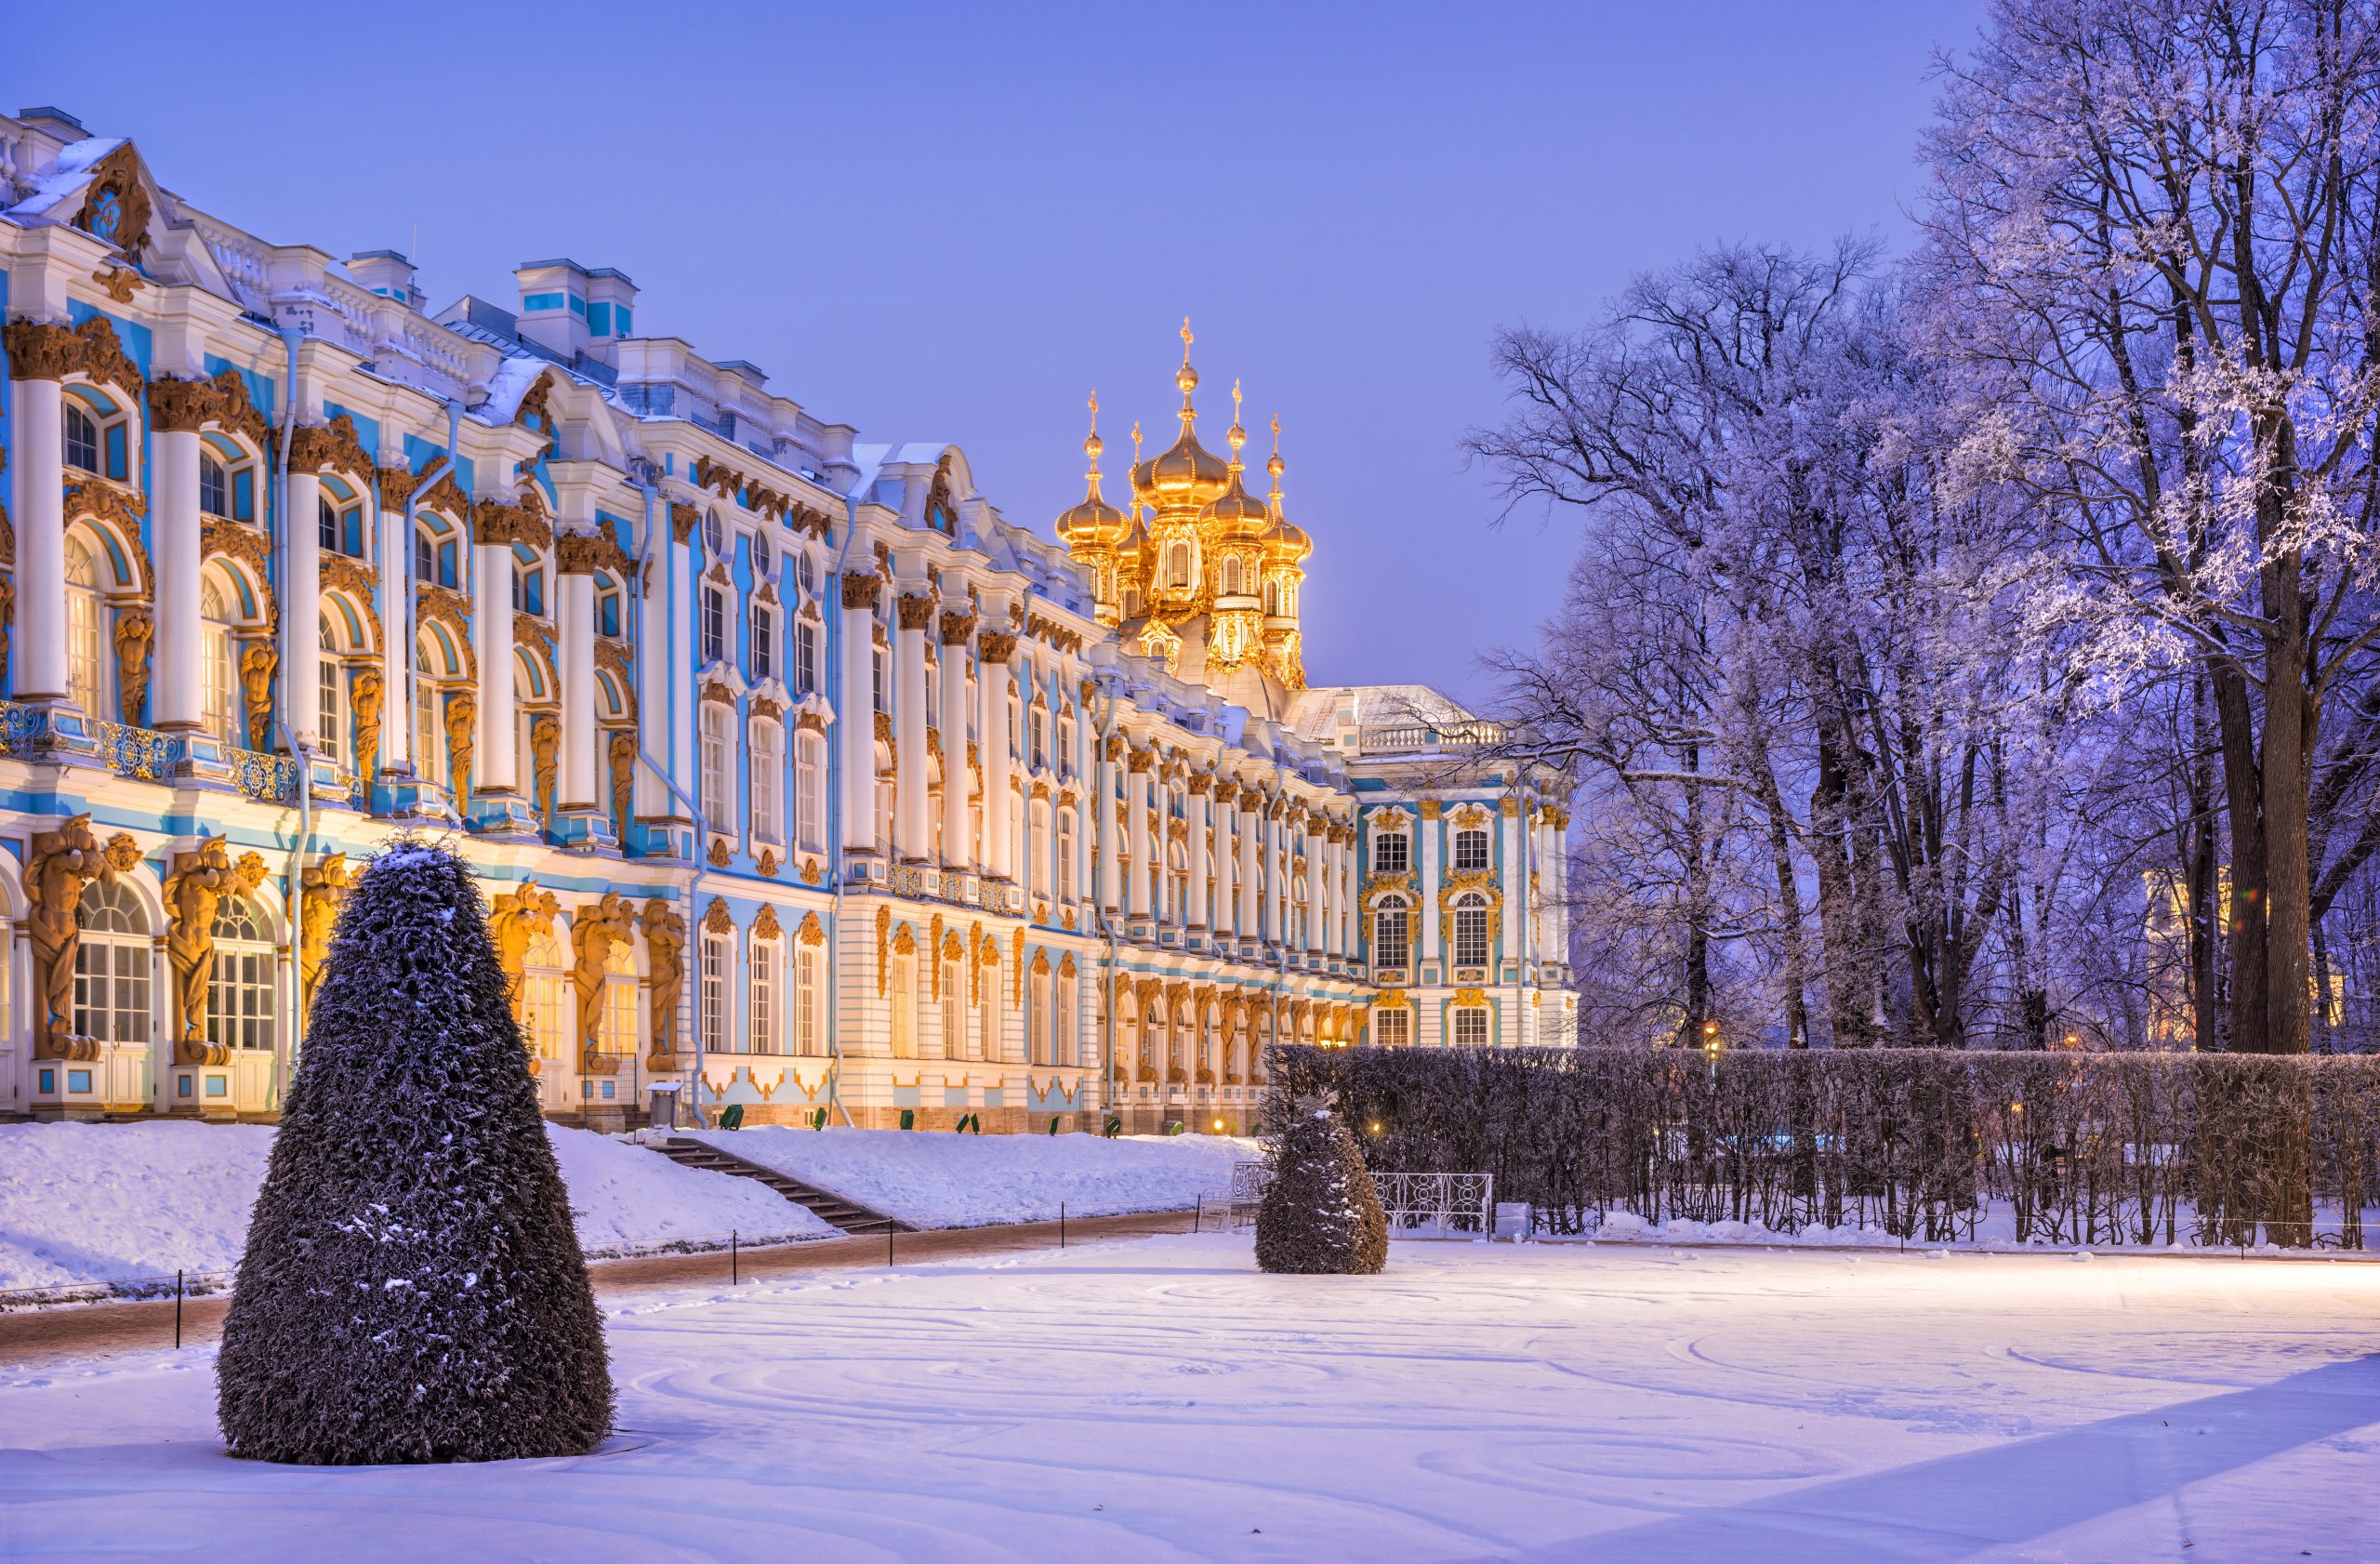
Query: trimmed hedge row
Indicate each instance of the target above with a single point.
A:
(2091, 1149)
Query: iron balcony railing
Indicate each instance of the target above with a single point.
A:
(33, 733)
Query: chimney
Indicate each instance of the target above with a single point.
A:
(55, 123)
(553, 305)
(611, 312)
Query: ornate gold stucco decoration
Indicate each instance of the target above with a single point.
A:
(193, 891)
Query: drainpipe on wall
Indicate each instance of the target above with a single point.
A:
(1103, 821)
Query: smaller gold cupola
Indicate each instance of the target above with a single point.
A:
(1185, 475)
(1094, 523)
(1235, 513)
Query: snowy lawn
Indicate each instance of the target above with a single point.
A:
(946, 1180)
(1160, 1400)
(118, 1203)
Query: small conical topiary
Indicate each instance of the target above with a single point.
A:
(413, 1289)
(1320, 1214)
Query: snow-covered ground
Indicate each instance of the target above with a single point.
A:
(1160, 1400)
(84, 1203)
(945, 1180)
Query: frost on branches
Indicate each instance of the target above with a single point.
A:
(1320, 1215)
(413, 1289)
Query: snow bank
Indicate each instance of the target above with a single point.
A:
(84, 1203)
(938, 1179)
(1994, 1232)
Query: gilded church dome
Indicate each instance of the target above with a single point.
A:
(1285, 541)
(1235, 513)
(1093, 524)
(1185, 475)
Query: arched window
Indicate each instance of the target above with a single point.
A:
(219, 678)
(1231, 576)
(764, 641)
(82, 437)
(810, 998)
(240, 1010)
(607, 609)
(716, 1037)
(1391, 942)
(334, 711)
(88, 648)
(546, 998)
(810, 791)
(1272, 597)
(1177, 565)
(111, 965)
(1471, 850)
(1471, 930)
(528, 582)
(429, 727)
(768, 781)
(434, 555)
(214, 493)
(1392, 853)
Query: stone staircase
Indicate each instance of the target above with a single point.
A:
(829, 1208)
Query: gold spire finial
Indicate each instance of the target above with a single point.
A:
(1093, 445)
(1185, 376)
(1277, 465)
(1186, 339)
(1236, 435)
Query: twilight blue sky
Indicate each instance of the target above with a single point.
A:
(946, 223)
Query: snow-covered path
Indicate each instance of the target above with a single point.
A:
(1160, 1400)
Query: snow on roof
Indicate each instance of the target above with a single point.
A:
(1320, 713)
(65, 178)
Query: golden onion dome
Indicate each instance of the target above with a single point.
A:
(1235, 513)
(1185, 475)
(1094, 523)
(1286, 542)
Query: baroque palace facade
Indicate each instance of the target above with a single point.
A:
(791, 766)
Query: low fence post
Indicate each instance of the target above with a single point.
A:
(734, 1265)
(177, 1311)
(1061, 1224)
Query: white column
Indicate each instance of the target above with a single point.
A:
(910, 828)
(1277, 866)
(958, 853)
(993, 680)
(175, 699)
(1320, 884)
(855, 710)
(493, 764)
(1136, 829)
(1251, 886)
(38, 637)
(579, 760)
(1194, 807)
(1514, 947)
(301, 606)
(1109, 822)
(1426, 830)
(1347, 880)
(1226, 920)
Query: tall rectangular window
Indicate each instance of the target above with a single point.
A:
(1392, 1028)
(767, 1014)
(719, 745)
(1470, 1028)
(954, 1012)
(1392, 944)
(714, 625)
(1392, 853)
(714, 996)
(810, 791)
(1470, 933)
(767, 782)
(809, 1000)
(1471, 850)
(805, 657)
(764, 641)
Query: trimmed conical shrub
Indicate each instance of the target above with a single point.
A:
(1320, 1214)
(413, 1289)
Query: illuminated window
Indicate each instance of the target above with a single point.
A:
(1471, 931)
(1391, 943)
(714, 994)
(1470, 1029)
(111, 965)
(767, 1012)
(240, 1008)
(1392, 1028)
(1471, 850)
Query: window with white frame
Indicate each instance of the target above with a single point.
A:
(1471, 850)
(805, 657)
(1392, 1028)
(1069, 882)
(1392, 853)
(715, 957)
(989, 1044)
(214, 491)
(1471, 946)
(111, 964)
(768, 781)
(240, 1008)
(546, 1001)
(327, 523)
(1038, 873)
(615, 1024)
(718, 749)
(82, 438)
(429, 731)
(876, 678)
(1391, 934)
(902, 978)
(88, 645)
(810, 791)
(331, 689)
(1069, 1016)
(954, 1010)
(1037, 1041)
(764, 641)
(714, 624)
(1470, 1026)
(767, 1011)
(810, 1000)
